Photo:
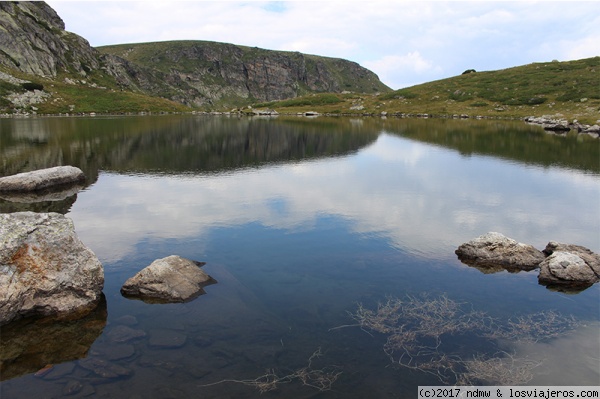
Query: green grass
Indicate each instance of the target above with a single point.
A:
(86, 99)
(568, 90)
(563, 89)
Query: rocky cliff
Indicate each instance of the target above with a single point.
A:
(33, 40)
(34, 45)
(210, 71)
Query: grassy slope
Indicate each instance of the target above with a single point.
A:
(550, 88)
(106, 97)
(564, 89)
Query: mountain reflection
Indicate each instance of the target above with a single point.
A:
(174, 144)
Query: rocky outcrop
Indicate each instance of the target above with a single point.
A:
(204, 72)
(33, 40)
(563, 126)
(45, 270)
(171, 279)
(494, 249)
(570, 266)
(43, 179)
(563, 267)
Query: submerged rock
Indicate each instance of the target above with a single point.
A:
(171, 279)
(45, 270)
(569, 266)
(43, 179)
(163, 338)
(493, 250)
(32, 345)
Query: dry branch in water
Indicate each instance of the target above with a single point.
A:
(501, 370)
(416, 329)
(321, 379)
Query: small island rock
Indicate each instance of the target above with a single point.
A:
(42, 179)
(569, 265)
(171, 279)
(494, 249)
(45, 270)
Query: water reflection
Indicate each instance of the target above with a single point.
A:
(399, 189)
(34, 345)
(170, 145)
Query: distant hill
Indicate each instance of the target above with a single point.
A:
(34, 47)
(569, 89)
(221, 73)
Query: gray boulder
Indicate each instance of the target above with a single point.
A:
(43, 179)
(45, 270)
(171, 279)
(493, 250)
(569, 266)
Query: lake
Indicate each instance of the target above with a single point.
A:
(332, 243)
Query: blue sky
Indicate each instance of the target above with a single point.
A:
(404, 42)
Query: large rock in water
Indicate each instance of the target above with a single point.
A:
(43, 179)
(45, 270)
(171, 279)
(494, 249)
(569, 266)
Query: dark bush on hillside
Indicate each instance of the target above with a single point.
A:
(32, 86)
(525, 101)
(469, 71)
(398, 94)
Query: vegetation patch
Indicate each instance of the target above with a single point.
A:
(418, 330)
(31, 86)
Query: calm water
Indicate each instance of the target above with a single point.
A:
(303, 222)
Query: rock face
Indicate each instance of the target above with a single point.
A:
(33, 40)
(569, 266)
(211, 71)
(494, 249)
(45, 270)
(43, 179)
(171, 279)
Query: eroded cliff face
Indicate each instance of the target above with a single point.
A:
(33, 40)
(210, 71)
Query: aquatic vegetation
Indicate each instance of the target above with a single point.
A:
(416, 329)
(320, 379)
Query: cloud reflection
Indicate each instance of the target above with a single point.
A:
(424, 199)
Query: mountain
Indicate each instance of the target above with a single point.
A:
(210, 71)
(35, 47)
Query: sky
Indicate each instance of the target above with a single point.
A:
(404, 42)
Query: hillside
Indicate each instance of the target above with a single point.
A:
(168, 76)
(221, 73)
(568, 89)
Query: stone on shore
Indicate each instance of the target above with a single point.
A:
(496, 250)
(171, 279)
(43, 179)
(45, 270)
(569, 265)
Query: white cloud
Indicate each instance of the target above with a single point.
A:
(392, 69)
(583, 48)
(406, 203)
